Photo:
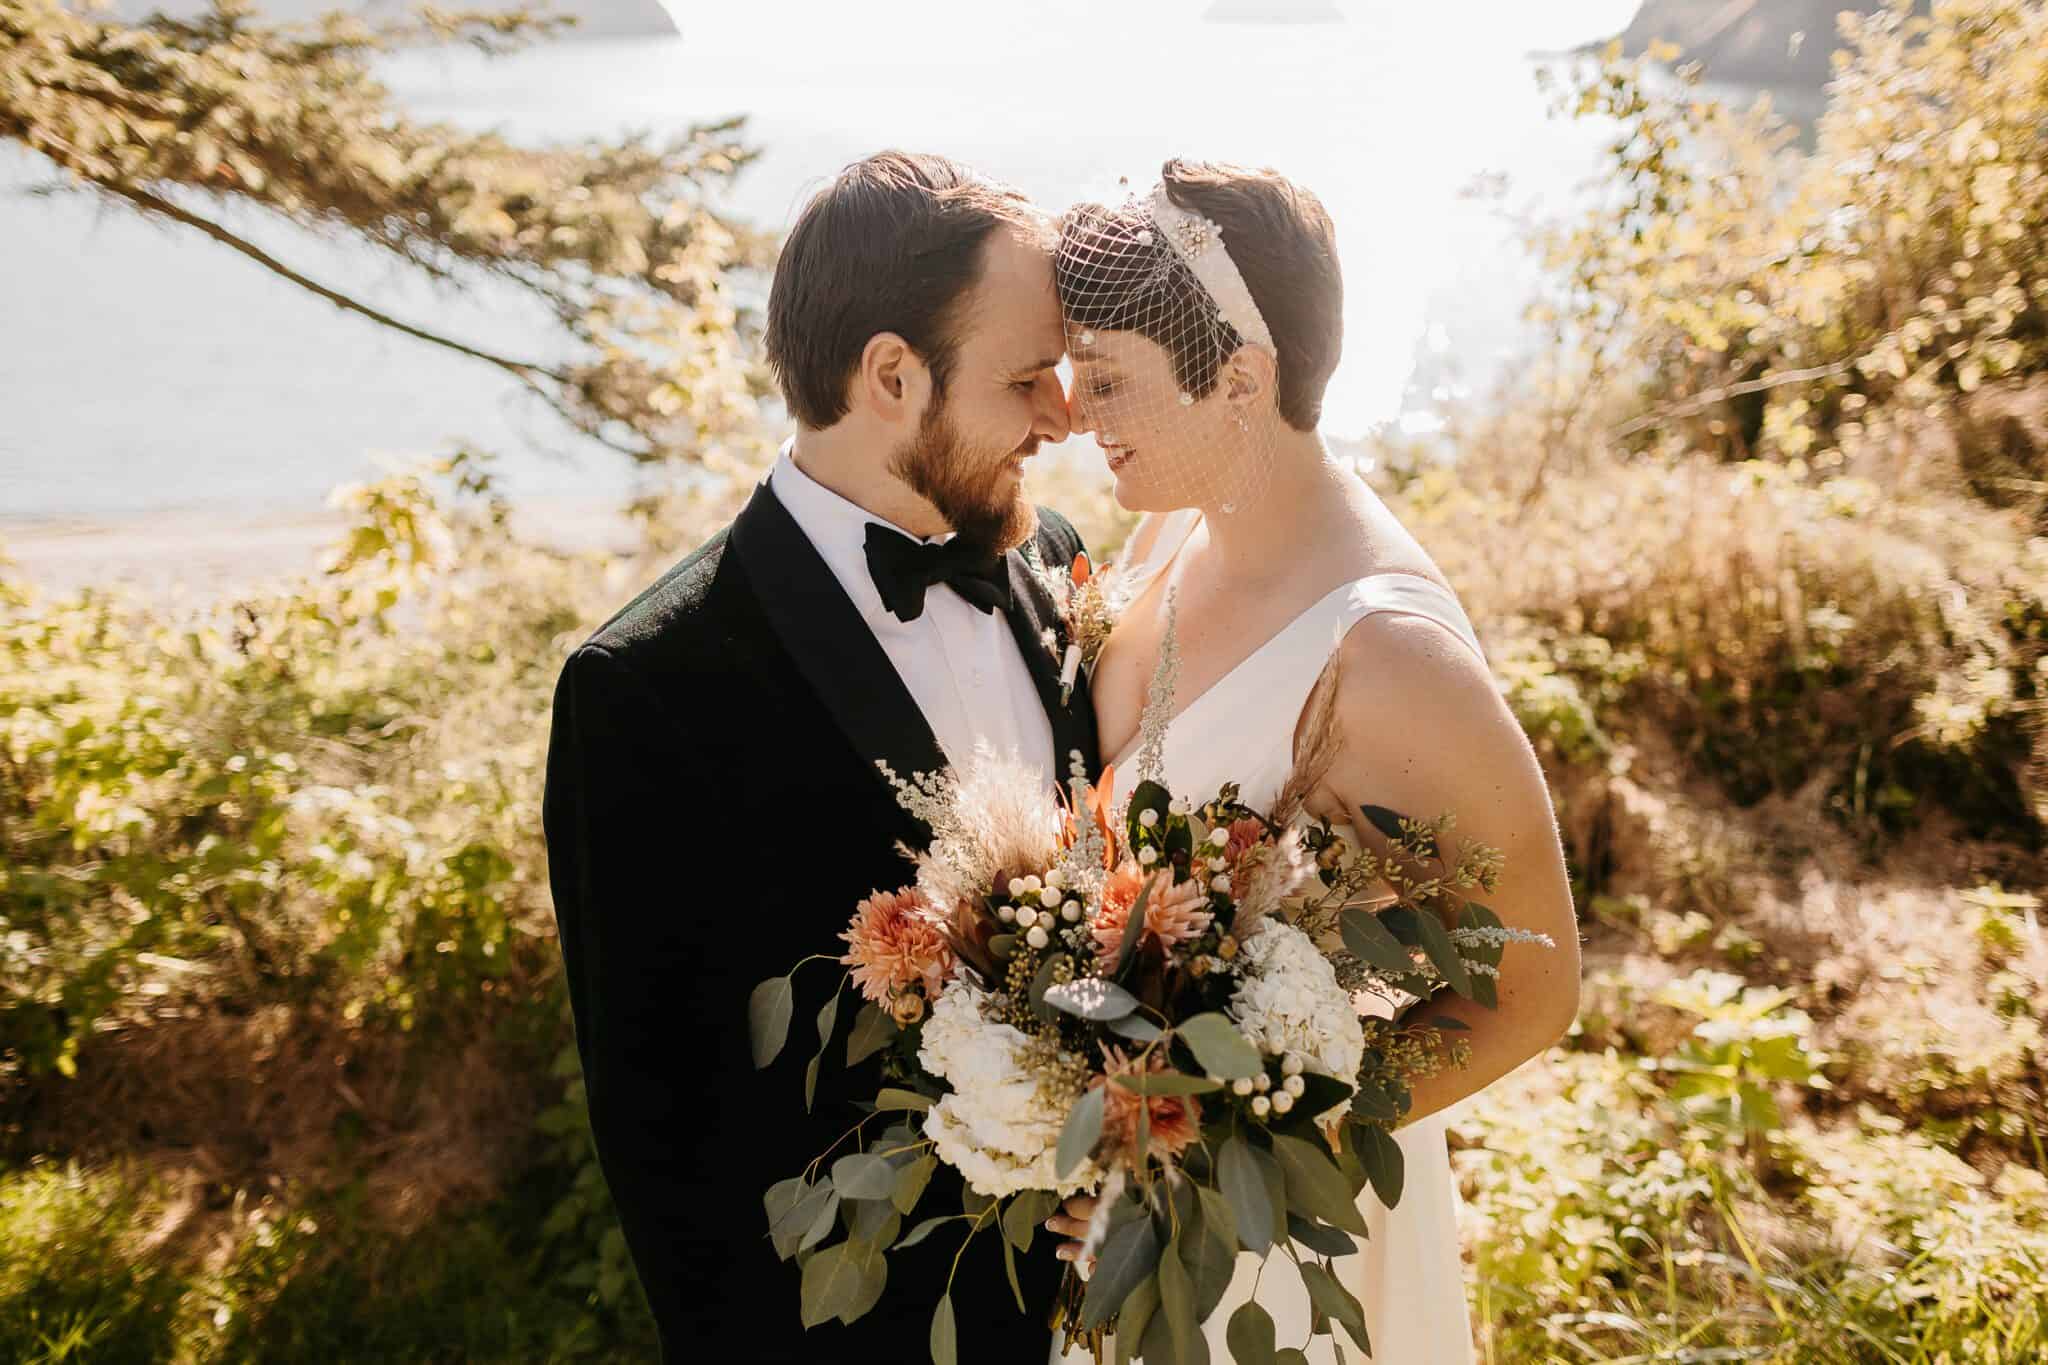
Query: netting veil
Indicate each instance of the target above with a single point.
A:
(1160, 328)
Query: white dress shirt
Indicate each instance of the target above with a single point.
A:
(961, 664)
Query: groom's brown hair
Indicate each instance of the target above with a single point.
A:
(893, 243)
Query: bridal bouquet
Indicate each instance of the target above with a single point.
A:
(1159, 1003)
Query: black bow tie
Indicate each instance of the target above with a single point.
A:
(904, 568)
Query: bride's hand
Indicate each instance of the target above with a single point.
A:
(1072, 1222)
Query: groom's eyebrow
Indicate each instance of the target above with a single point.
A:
(1036, 366)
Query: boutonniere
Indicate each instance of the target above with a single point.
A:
(1088, 604)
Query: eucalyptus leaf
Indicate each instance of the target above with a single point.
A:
(1210, 1261)
(1166, 1083)
(768, 1010)
(1371, 1101)
(1092, 998)
(1177, 1309)
(873, 1030)
(1385, 821)
(1436, 941)
(1290, 1355)
(1250, 1335)
(1333, 1301)
(1010, 1269)
(1133, 1319)
(863, 1175)
(1129, 1255)
(1219, 1047)
(924, 1230)
(1134, 929)
(1135, 1027)
(945, 1337)
(831, 1284)
(1027, 1210)
(892, 1098)
(872, 1277)
(1384, 1163)
(1219, 1219)
(1372, 942)
(1048, 975)
(911, 1181)
(1243, 1182)
(1082, 1131)
(821, 1226)
(1319, 1237)
(1314, 1184)
(873, 1222)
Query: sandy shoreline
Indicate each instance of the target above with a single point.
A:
(206, 553)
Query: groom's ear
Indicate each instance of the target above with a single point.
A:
(893, 381)
(1249, 374)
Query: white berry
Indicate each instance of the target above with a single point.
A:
(1261, 1105)
(1220, 883)
(1241, 1086)
(1219, 836)
(1026, 916)
(1293, 1085)
(1148, 818)
(1290, 1065)
(1071, 911)
(1017, 887)
(1148, 856)
(1006, 913)
(1037, 938)
(1262, 1082)
(1282, 1102)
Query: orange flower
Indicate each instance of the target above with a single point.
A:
(1082, 570)
(894, 943)
(1173, 913)
(1246, 834)
(1175, 1120)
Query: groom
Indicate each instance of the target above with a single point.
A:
(713, 809)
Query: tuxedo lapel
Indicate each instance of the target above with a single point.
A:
(833, 647)
(1033, 613)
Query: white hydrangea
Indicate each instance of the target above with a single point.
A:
(1288, 1000)
(995, 1128)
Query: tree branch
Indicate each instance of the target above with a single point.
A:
(142, 199)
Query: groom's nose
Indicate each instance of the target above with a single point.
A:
(1050, 419)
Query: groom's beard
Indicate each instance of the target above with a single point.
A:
(964, 483)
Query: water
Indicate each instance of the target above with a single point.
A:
(145, 370)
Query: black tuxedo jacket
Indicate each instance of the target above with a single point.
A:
(713, 814)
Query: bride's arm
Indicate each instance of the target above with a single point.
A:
(1424, 731)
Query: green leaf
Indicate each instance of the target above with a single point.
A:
(832, 1284)
(1167, 1083)
(1082, 1131)
(1250, 1335)
(863, 1175)
(821, 1226)
(924, 1230)
(1134, 929)
(1027, 1210)
(1371, 942)
(783, 1196)
(1177, 1309)
(1092, 998)
(768, 1010)
(1129, 1255)
(1010, 1269)
(1436, 941)
(1240, 1175)
(911, 1181)
(1048, 975)
(1290, 1355)
(828, 1019)
(945, 1341)
(1318, 1237)
(1314, 1184)
(1135, 1027)
(1219, 1220)
(892, 1098)
(1372, 1101)
(1210, 1261)
(1333, 1301)
(873, 1222)
(800, 1216)
(1383, 820)
(1133, 1320)
(1219, 1047)
(873, 1030)
(873, 1277)
(1383, 1161)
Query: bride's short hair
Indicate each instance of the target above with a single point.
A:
(1282, 242)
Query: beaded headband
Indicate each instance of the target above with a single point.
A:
(1199, 242)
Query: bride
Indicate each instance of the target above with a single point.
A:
(1204, 322)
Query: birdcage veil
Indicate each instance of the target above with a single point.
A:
(1155, 312)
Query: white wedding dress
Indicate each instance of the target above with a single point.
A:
(1407, 1274)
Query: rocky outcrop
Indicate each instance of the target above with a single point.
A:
(1777, 44)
